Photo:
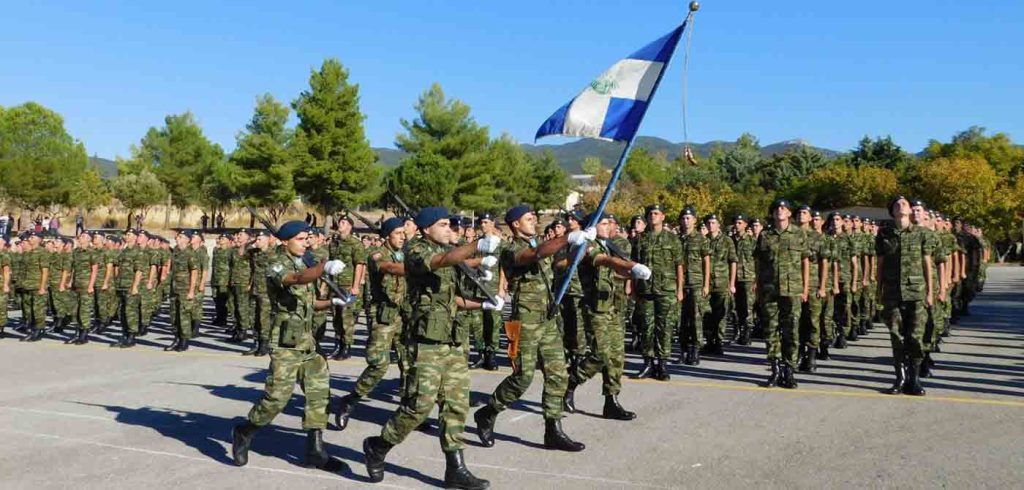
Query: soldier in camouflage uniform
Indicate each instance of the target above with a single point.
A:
(240, 282)
(18, 245)
(35, 276)
(696, 281)
(948, 244)
(523, 263)
(439, 369)
(783, 280)
(959, 272)
(722, 255)
(5, 283)
(387, 285)
(810, 322)
(658, 297)
(129, 278)
(846, 255)
(184, 276)
(220, 274)
(60, 283)
(202, 258)
(745, 278)
(487, 332)
(319, 249)
(868, 285)
(633, 314)
(599, 272)
(151, 260)
(572, 308)
(294, 356)
(85, 264)
(923, 218)
(262, 309)
(348, 249)
(827, 318)
(106, 296)
(905, 281)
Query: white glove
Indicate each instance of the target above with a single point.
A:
(580, 237)
(334, 267)
(641, 272)
(489, 262)
(487, 276)
(492, 306)
(341, 302)
(487, 244)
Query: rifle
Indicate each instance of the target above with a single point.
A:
(308, 258)
(462, 267)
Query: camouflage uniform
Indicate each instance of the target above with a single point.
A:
(60, 300)
(149, 297)
(867, 294)
(220, 274)
(745, 277)
(183, 263)
(947, 242)
(350, 251)
(262, 309)
(128, 264)
(387, 293)
(320, 317)
(826, 320)
(694, 248)
(34, 305)
(202, 260)
(82, 262)
(935, 312)
(240, 282)
(439, 370)
(723, 254)
(294, 357)
(661, 252)
(779, 255)
(845, 252)
(810, 312)
(602, 300)
(5, 296)
(575, 330)
(106, 300)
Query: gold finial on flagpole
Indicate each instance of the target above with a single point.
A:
(694, 6)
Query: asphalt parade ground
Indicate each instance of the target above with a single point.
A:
(96, 417)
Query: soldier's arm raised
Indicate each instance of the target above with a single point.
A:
(453, 256)
(532, 255)
(305, 277)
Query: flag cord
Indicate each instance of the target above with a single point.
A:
(687, 151)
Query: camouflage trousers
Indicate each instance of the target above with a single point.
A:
(906, 321)
(843, 310)
(181, 315)
(261, 313)
(5, 299)
(106, 305)
(241, 308)
(385, 334)
(149, 301)
(288, 366)
(658, 323)
(933, 327)
(344, 322)
(827, 319)
(609, 357)
(84, 311)
(781, 315)
(539, 339)
(867, 302)
(221, 295)
(487, 333)
(810, 321)
(131, 316)
(62, 303)
(197, 307)
(743, 303)
(439, 375)
(717, 311)
(33, 309)
(573, 324)
(691, 324)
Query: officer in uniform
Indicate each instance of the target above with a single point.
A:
(811, 309)
(723, 282)
(696, 281)
(185, 275)
(745, 279)
(439, 368)
(783, 279)
(349, 250)
(35, 263)
(599, 273)
(907, 291)
(220, 274)
(294, 356)
(658, 297)
(522, 261)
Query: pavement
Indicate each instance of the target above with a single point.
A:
(96, 417)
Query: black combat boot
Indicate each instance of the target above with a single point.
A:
(913, 384)
(195, 328)
(485, 419)
(614, 411)
(646, 371)
(490, 361)
(254, 349)
(375, 449)
(555, 439)
(339, 346)
(344, 410)
(773, 378)
(143, 329)
(840, 341)
(802, 355)
(237, 336)
(83, 337)
(661, 371)
(35, 336)
(129, 341)
(901, 378)
(456, 475)
(174, 345)
(316, 457)
(744, 334)
(264, 348)
(182, 346)
(694, 355)
(569, 399)
(853, 334)
(788, 379)
(241, 441)
(634, 344)
(823, 351)
(478, 361)
(812, 361)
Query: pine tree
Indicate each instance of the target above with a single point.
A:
(262, 170)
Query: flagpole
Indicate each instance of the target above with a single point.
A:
(616, 173)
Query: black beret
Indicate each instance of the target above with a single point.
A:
(430, 215)
(455, 220)
(756, 221)
(739, 217)
(466, 222)
(612, 217)
(917, 202)
(816, 214)
(265, 233)
(225, 235)
(710, 217)
(653, 207)
(688, 211)
(249, 232)
(636, 218)
(289, 230)
(346, 217)
(575, 215)
(778, 203)
(893, 201)
(594, 218)
(516, 212)
(804, 207)
(390, 225)
(557, 221)
(847, 217)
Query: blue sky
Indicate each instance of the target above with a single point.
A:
(827, 72)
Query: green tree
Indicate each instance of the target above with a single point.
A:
(962, 186)
(879, 152)
(335, 165)
(784, 169)
(548, 183)
(840, 185)
(139, 192)
(514, 169)
(261, 171)
(642, 166)
(91, 192)
(591, 165)
(423, 180)
(740, 162)
(998, 150)
(40, 163)
(444, 132)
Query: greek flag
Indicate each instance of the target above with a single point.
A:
(613, 105)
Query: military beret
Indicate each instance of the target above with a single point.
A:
(516, 212)
(346, 217)
(224, 235)
(893, 201)
(390, 225)
(612, 217)
(595, 218)
(486, 215)
(653, 207)
(265, 233)
(756, 221)
(780, 202)
(804, 207)
(115, 239)
(739, 217)
(710, 217)
(288, 230)
(917, 202)
(455, 221)
(187, 233)
(130, 232)
(430, 215)
(557, 221)
(575, 215)
(466, 222)
(688, 211)
(636, 218)
(816, 214)
(847, 217)
(857, 218)
(249, 232)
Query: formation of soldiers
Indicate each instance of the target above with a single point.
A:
(433, 290)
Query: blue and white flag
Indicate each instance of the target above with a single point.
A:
(613, 105)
